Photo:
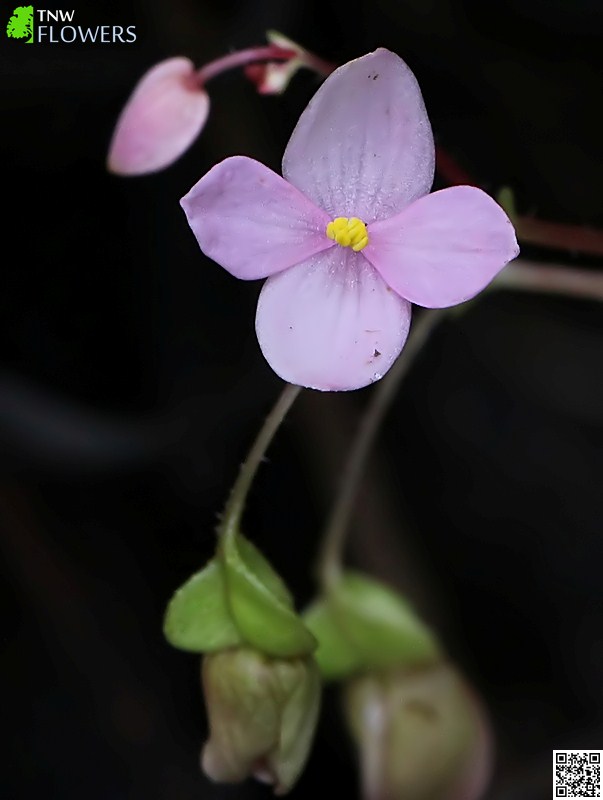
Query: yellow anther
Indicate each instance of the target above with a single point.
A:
(348, 232)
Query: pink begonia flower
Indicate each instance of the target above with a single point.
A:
(350, 237)
(162, 118)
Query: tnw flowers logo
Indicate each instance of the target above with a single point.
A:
(21, 24)
(57, 27)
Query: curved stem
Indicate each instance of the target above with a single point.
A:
(319, 65)
(530, 276)
(559, 235)
(241, 58)
(539, 232)
(522, 275)
(236, 502)
(329, 568)
(451, 170)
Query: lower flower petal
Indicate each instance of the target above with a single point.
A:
(251, 221)
(331, 323)
(444, 248)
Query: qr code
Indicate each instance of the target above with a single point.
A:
(577, 773)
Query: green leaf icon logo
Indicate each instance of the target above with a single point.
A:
(20, 25)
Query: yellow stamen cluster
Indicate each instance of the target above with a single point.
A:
(348, 232)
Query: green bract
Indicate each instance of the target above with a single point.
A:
(363, 625)
(237, 599)
(197, 617)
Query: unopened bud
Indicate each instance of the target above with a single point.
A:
(164, 115)
(262, 714)
(421, 733)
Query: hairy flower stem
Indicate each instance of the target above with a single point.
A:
(522, 275)
(240, 59)
(233, 510)
(329, 570)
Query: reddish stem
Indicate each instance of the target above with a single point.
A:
(319, 65)
(543, 233)
(451, 171)
(529, 276)
(267, 53)
(560, 235)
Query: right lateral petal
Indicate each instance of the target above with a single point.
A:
(251, 221)
(444, 248)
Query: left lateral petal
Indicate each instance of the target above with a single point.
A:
(331, 323)
(251, 221)
(444, 248)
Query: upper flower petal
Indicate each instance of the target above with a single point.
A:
(163, 116)
(331, 323)
(251, 221)
(444, 248)
(363, 147)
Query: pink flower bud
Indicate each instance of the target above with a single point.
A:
(165, 113)
(422, 735)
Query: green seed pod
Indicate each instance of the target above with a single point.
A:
(421, 735)
(262, 715)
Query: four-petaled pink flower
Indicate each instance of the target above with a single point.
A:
(351, 237)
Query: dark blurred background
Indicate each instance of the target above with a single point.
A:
(131, 383)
